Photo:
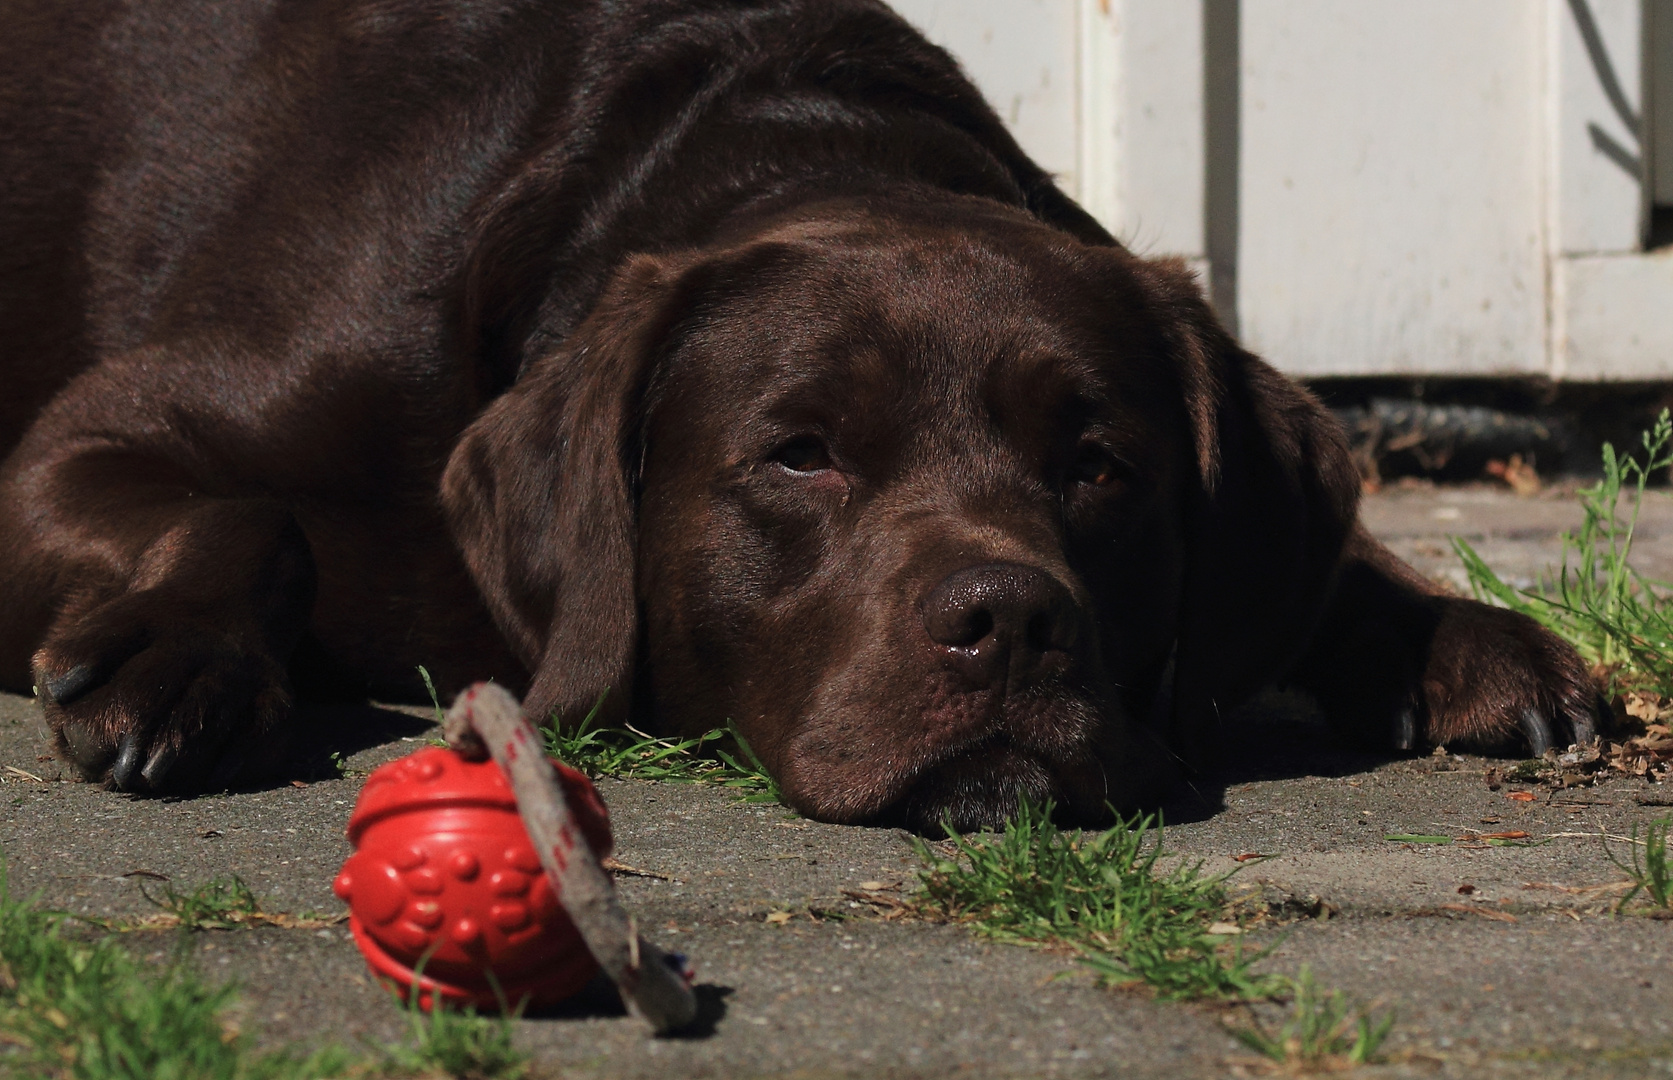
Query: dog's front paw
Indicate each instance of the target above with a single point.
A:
(1496, 682)
(159, 697)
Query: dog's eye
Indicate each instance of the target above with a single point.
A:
(1095, 466)
(804, 454)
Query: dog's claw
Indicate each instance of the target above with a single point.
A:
(156, 769)
(127, 762)
(1538, 730)
(65, 688)
(1585, 727)
(1404, 734)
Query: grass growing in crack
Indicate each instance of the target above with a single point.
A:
(721, 756)
(1650, 869)
(221, 904)
(435, 701)
(1100, 893)
(87, 1009)
(83, 1008)
(459, 1043)
(1321, 1030)
(1620, 621)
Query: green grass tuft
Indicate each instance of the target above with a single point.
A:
(1621, 622)
(1650, 869)
(1100, 893)
(83, 1008)
(457, 1043)
(721, 756)
(435, 701)
(86, 1009)
(1321, 1028)
(718, 757)
(221, 904)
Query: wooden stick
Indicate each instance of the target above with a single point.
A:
(486, 719)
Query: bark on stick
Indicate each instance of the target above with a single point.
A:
(485, 720)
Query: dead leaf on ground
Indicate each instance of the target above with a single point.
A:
(778, 918)
(1485, 913)
(892, 907)
(616, 867)
(1521, 796)
(1517, 474)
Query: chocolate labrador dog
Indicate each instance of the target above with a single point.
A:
(724, 355)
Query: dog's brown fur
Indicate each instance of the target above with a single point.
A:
(726, 356)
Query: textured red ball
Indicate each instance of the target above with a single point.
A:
(443, 874)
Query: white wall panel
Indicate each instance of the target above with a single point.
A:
(1618, 316)
(1412, 186)
(1023, 56)
(1391, 195)
(1159, 132)
(1599, 116)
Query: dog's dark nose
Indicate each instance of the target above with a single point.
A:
(998, 622)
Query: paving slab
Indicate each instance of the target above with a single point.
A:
(1498, 960)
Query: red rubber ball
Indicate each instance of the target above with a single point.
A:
(443, 875)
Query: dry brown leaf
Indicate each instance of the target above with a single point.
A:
(1517, 474)
(613, 866)
(1486, 913)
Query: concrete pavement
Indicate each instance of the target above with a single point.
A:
(1498, 960)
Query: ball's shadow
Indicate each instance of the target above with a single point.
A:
(599, 1000)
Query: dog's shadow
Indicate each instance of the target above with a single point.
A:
(1277, 736)
(327, 733)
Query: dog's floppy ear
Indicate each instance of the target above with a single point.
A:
(539, 496)
(1274, 495)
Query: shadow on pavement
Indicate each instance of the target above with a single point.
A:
(1277, 736)
(324, 729)
(599, 1000)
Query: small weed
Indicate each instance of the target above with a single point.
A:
(1099, 893)
(85, 1009)
(435, 701)
(748, 776)
(720, 756)
(337, 764)
(221, 904)
(1320, 1033)
(457, 1042)
(628, 753)
(1620, 621)
(1651, 871)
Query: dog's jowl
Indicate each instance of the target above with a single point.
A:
(726, 357)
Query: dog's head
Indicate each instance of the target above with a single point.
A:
(939, 507)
